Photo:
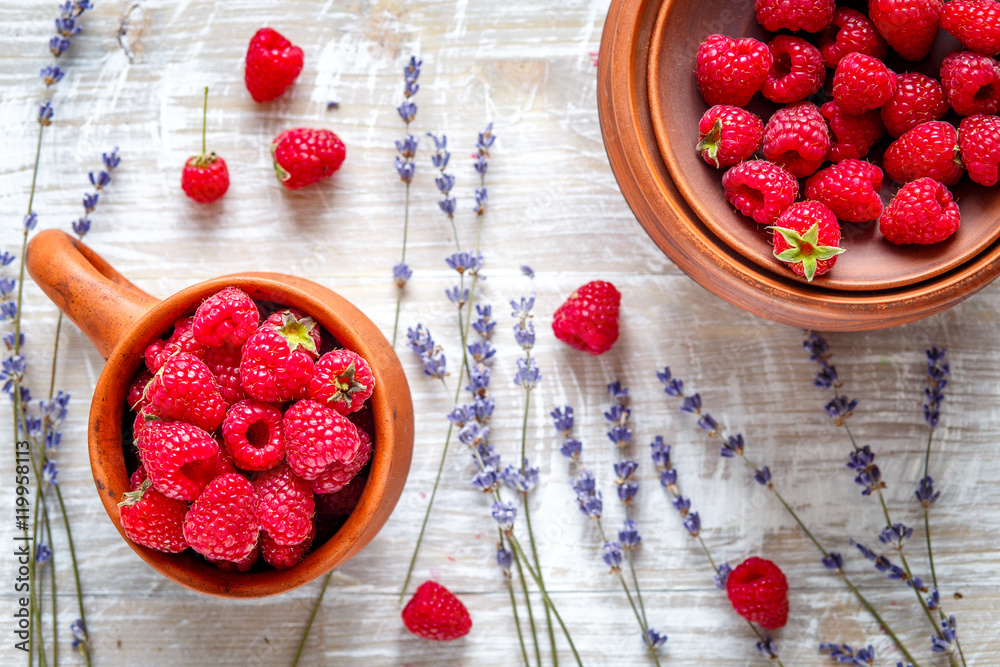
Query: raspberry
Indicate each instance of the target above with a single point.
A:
(910, 26)
(853, 136)
(807, 238)
(862, 83)
(923, 212)
(808, 15)
(758, 591)
(150, 518)
(273, 64)
(242, 565)
(317, 437)
(342, 502)
(971, 82)
(435, 613)
(979, 141)
(974, 23)
(727, 135)
(185, 390)
(760, 189)
(285, 505)
(181, 340)
(282, 557)
(796, 73)
(144, 415)
(179, 458)
(918, 99)
(337, 476)
(303, 156)
(588, 319)
(849, 188)
(731, 71)
(228, 317)
(796, 138)
(277, 361)
(850, 32)
(341, 380)
(136, 397)
(276, 321)
(224, 362)
(222, 522)
(929, 149)
(254, 435)
(205, 178)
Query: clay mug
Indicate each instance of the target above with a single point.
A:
(121, 320)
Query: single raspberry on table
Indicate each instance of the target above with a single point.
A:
(850, 32)
(971, 82)
(227, 317)
(974, 23)
(731, 71)
(796, 137)
(918, 99)
(184, 389)
(922, 212)
(341, 380)
(278, 360)
(285, 557)
(136, 396)
(342, 502)
(181, 340)
(796, 73)
(849, 188)
(254, 435)
(305, 156)
(727, 135)
(180, 459)
(205, 177)
(807, 239)
(285, 505)
(317, 437)
(224, 362)
(758, 591)
(852, 136)
(807, 15)
(337, 476)
(760, 189)
(979, 142)
(150, 518)
(272, 65)
(910, 26)
(435, 613)
(588, 319)
(862, 83)
(930, 149)
(222, 523)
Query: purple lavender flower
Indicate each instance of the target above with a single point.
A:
(6, 258)
(111, 160)
(482, 408)
(463, 261)
(521, 482)
(101, 179)
(722, 576)
(524, 335)
(407, 146)
(484, 324)
(826, 377)
(934, 599)
(562, 418)
(90, 201)
(504, 514)
(571, 449)
(691, 404)
(627, 491)
(816, 346)
(528, 375)
(693, 524)
(31, 220)
(926, 493)
(763, 476)
(833, 561)
(332, 104)
(945, 643)
(407, 111)
(482, 198)
(681, 504)
(628, 536)
(672, 386)
(733, 446)
(895, 535)
(481, 351)
(45, 112)
(708, 424)
(51, 75)
(444, 183)
(862, 461)
(50, 473)
(612, 555)
(624, 469)
(401, 273)
(486, 480)
(430, 354)
(617, 391)
(58, 45)
(668, 479)
(660, 453)
(473, 434)
(79, 632)
(488, 455)
(937, 378)
(12, 372)
(457, 295)
(767, 648)
(81, 226)
(654, 638)
(505, 558)
(525, 269)
(43, 554)
(844, 654)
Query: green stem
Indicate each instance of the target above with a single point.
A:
(406, 228)
(513, 606)
(312, 617)
(635, 583)
(538, 566)
(527, 602)
(454, 231)
(640, 619)
(204, 121)
(52, 577)
(76, 576)
(927, 521)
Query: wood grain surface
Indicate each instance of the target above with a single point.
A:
(555, 205)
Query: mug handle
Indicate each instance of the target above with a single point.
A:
(98, 299)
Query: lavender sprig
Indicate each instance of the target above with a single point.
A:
(938, 371)
(406, 149)
(444, 181)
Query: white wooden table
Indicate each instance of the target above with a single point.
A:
(527, 67)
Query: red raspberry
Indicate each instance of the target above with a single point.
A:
(853, 136)
(317, 437)
(224, 362)
(923, 212)
(273, 64)
(181, 340)
(807, 238)
(285, 505)
(850, 32)
(150, 518)
(303, 156)
(435, 613)
(282, 557)
(276, 321)
(862, 83)
(342, 502)
(225, 318)
(808, 15)
(205, 177)
(226, 465)
(242, 565)
(277, 361)
(222, 523)
(910, 26)
(727, 135)
(730, 70)
(143, 416)
(137, 390)
(974, 23)
(758, 591)
(588, 319)
(918, 99)
(337, 476)
(979, 140)
(796, 138)
(179, 458)
(797, 71)
(971, 82)
(254, 435)
(760, 189)
(185, 390)
(849, 188)
(341, 380)
(929, 149)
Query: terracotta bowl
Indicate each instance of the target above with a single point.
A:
(650, 105)
(121, 320)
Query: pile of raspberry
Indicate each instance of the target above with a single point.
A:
(865, 100)
(250, 435)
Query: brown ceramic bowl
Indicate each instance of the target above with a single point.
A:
(650, 106)
(121, 320)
